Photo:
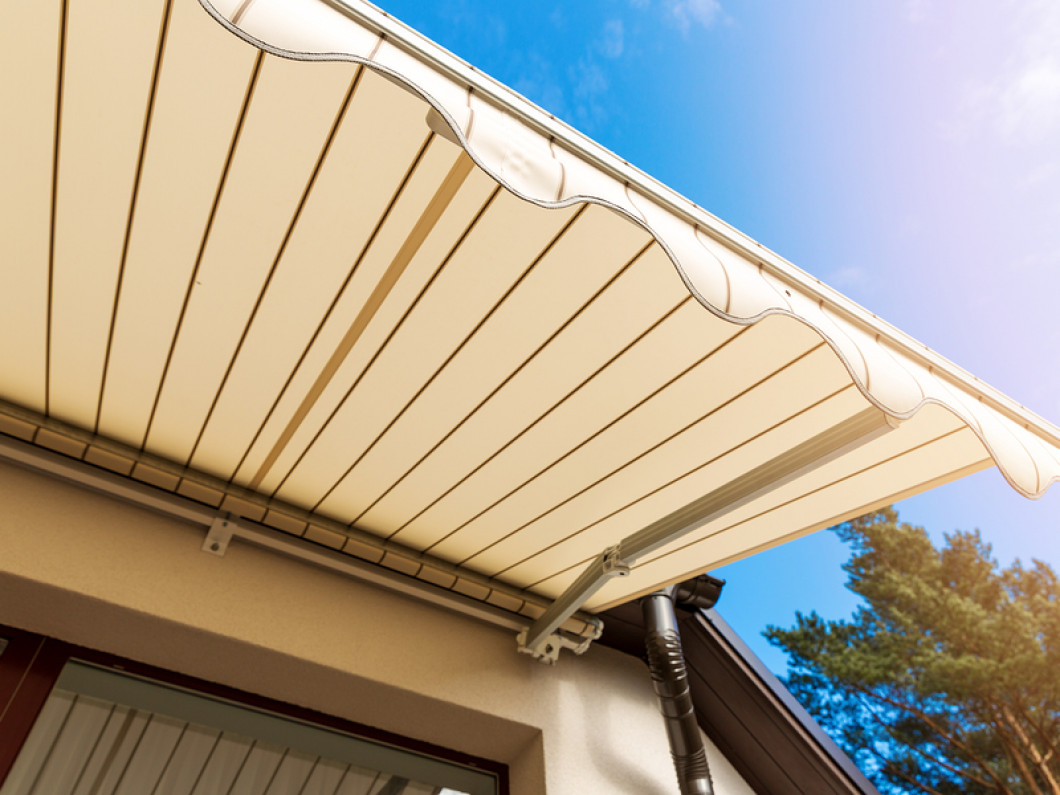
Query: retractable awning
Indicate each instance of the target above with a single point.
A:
(291, 260)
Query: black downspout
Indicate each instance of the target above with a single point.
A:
(669, 676)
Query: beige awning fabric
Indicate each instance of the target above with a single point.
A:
(290, 259)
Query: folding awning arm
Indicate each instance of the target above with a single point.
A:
(543, 638)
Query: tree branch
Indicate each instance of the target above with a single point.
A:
(942, 733)
(1017, 758)
(945, 765)
(888, 765)
(1036, 755)
(1045, 736)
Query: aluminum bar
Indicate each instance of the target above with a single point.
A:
(59, 466)
(826, 446)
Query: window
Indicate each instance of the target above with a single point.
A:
(102, 730)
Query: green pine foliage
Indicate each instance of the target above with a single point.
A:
(947, 678)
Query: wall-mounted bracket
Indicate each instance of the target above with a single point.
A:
(547, 650)
(219, 535)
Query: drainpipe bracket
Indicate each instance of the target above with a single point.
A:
(219, 535)
(548, 649)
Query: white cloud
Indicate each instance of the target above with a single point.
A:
(849, 278)
(588, 85)
(1028, 104)
(612, 43)
(688, 12)
(916, 11)
(587, 78)
(540, 82)
(1021, 103)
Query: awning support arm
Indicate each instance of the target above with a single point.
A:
(543, 639)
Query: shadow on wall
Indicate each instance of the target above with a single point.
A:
(609, 738)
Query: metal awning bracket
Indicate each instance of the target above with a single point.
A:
(219, 535)
(544, 638)
(547, 650)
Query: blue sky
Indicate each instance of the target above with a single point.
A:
(907, 152)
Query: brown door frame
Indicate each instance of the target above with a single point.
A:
(29, 666)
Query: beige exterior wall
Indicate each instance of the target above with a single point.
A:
(84, 568)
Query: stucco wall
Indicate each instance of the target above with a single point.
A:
(84, 568)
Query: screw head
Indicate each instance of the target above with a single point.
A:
(215, 547)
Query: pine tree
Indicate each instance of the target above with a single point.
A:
(947, 678)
